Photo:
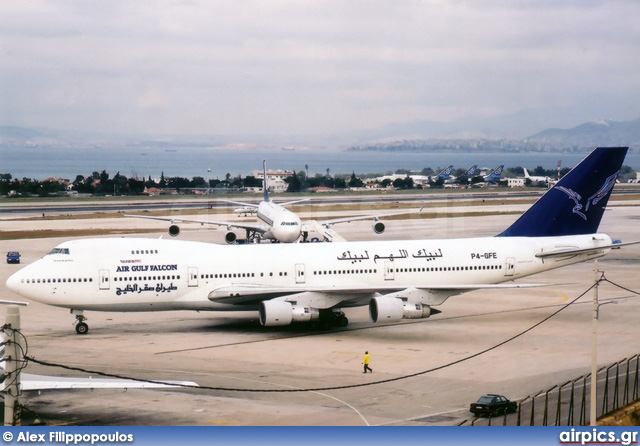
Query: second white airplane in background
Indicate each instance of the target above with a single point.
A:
(276, 223)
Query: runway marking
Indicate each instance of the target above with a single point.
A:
(360, 415)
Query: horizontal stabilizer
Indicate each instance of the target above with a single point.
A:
(563, 252)
(483, 286)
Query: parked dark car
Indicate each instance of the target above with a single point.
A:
(13, 257)
(489, 405)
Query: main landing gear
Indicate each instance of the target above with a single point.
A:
(81, 327)
(332, 318)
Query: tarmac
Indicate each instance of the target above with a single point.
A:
(426, 372)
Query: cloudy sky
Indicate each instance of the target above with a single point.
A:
(278, 67)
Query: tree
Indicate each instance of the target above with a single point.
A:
(294, 183)
(438, 182)
(199, 182)
(178, 183)
(5, 181)
(427, 171)
(251, 181)
(237, 182)
(135, 186)
(83, 185)
(540, 171)
(120, 184)
(408, 182)
(355, 181)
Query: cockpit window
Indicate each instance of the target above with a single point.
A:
(60, 251)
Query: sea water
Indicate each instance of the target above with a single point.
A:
(40, 162)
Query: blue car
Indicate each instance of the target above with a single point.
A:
(13, 257)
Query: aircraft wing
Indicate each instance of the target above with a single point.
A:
(241, 203)
(29, 382)
(294, 202)
(330, 296)
(13, 302)
(253, 205)
(324, 226)
(367, 217)
(229, 224)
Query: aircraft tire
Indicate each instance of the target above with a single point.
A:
(342, 322)
(82, 328)
(325, 325)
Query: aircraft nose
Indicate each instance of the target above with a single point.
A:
(13, 282)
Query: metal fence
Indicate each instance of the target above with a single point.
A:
(568, 404)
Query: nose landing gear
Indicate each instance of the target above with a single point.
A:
(81, 327)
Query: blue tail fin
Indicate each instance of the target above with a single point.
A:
(576, 203)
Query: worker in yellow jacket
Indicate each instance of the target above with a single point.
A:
(366, 361)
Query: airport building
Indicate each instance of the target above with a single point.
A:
(276, 179)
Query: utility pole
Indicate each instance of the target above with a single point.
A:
(13, 359)
(594, 350)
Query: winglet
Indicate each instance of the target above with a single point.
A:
(575, 205)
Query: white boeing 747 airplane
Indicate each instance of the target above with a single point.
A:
(312, 282)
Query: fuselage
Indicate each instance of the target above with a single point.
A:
(133, 274)
(284, 226)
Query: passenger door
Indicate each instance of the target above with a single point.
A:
(300, 273)
(104, 279)
(510, 266)
(192, 279)
(389, 273)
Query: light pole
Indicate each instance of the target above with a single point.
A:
(594, 346)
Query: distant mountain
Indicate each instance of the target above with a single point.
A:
(497, 134)
(604, 133)
(13, 132)
(577, 139)
(514, 126)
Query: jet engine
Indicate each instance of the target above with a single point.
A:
(230, 237)
(378, 227)
(393, 309)
(274, 313)
(174, 230)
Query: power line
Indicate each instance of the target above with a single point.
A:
(318, 389)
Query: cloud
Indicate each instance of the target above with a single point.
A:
(292, 67)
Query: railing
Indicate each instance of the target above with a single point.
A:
(568, 404)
